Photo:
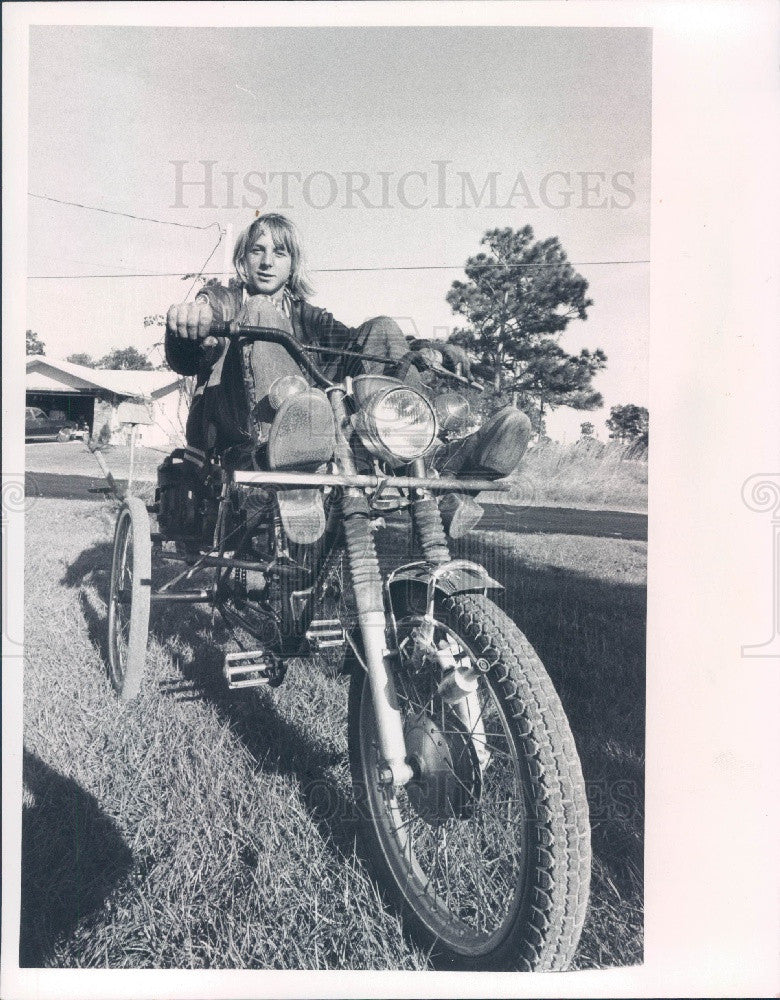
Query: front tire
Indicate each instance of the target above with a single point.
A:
(493, 873)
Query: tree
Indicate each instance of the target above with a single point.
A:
(520, 297)
(629, 424)
(82, 359)
(34, 343)
(127, 358)
(587, 430)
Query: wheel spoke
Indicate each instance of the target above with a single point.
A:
(463, 870)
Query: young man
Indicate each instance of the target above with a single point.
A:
(231, 411)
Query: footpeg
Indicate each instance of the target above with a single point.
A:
(251, 668)
(325, 633)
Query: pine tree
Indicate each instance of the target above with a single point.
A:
(629, 423)
(519, 299)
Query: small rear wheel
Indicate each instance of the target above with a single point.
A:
(129, 599)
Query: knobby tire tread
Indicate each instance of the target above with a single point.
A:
(563, 876)
(547, 931)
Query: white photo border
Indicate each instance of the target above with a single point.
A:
(711, 876)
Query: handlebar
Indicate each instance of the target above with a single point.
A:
(271, 335)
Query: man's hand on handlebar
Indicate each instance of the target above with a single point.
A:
(192, 321)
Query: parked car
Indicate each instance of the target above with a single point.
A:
(55, 427)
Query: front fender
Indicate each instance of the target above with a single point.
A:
(408, 586)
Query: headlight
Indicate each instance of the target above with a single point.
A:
(397, 423)
(453, 411)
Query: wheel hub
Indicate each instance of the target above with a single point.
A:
(448, 780)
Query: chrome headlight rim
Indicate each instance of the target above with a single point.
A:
(371, 434)
(453, 412)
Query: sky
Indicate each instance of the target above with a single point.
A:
(390, 140)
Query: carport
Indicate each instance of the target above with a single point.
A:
(51, 388)
(101, 397)
(76, 406)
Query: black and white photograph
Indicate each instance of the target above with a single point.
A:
(337, 429)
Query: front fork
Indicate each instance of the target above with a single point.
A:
(367, 585)
(458, 688)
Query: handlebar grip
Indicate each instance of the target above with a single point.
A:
(472, 383)
(221, 329)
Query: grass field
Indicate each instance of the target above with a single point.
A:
(587, 473)
(199, 829)
(72, 458)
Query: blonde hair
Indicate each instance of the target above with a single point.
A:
(284, 233)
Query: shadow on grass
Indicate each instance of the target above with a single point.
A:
(273, 741)
(73, 856)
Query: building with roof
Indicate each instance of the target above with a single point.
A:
(156, 402)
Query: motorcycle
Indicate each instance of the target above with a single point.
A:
(472, 806)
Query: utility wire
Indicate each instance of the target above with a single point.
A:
(124, 215)
(321, 270)
(140, 218)
(199, 275)
(330, 270)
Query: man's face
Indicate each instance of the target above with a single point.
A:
(267, 265)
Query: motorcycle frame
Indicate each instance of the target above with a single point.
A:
(373, 597)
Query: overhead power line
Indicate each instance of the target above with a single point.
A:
(206, 262)
(124, 215)
(331, 270)
(140, 218)
(321, 270)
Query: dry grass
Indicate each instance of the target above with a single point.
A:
(199, 829)
(584, 474)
